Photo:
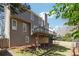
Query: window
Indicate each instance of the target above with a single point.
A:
(14, 24)
(27, 39)
(24, 27)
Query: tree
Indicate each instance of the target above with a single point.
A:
(68, 11)
(67, 37)
(16, 7)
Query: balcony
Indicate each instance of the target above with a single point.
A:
(40, 29)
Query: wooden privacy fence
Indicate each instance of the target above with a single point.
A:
(4, 43)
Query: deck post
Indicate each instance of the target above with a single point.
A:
(37, 44)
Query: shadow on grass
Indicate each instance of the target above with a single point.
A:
(5, 53)
(59, 48)
(50, 51)
(52, 54)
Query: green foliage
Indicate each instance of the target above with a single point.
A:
(66, 37)
(75, 34)
(15, 7)
(18, 7)
(68, 11)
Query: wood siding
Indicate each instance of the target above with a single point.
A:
(17, 37)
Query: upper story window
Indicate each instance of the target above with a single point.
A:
(24, 27)
(14, 24)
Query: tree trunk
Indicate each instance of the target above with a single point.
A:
(73, 51)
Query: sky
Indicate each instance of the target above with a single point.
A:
(46, 7)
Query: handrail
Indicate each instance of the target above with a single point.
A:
(42, 29)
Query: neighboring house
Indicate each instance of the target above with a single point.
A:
(25, 28)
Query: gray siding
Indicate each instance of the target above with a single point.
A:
(18, 36)
(25, 16)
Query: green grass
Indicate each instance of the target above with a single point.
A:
(55, 50)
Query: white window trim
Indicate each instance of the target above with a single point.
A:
(24, 25)
(14, 27)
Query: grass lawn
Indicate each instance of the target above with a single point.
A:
(55, 50)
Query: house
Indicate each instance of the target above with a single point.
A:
(23, 29)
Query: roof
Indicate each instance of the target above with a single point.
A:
(33, 13)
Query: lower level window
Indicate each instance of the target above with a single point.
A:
(14, 24)
(27, 39)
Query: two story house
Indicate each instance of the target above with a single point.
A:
(23, 29)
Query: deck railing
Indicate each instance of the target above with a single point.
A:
(42, 30)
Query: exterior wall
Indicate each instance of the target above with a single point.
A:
(40, 22)
(4, 43)
(45, 18)
(45, 21)
(25, 16)
(18, 36)
(36, 20)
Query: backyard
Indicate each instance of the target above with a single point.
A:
(64, 37)
(54, 50)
